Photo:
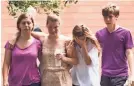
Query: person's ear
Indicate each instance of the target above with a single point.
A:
(117, 17)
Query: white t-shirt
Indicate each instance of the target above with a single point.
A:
(83, 74)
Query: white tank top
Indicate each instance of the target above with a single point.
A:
(86, 75)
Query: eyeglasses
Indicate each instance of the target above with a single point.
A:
(81, 33)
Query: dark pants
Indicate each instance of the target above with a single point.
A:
(36, 84)
(75, 85)
(113, 81)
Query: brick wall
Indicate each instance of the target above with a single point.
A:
(85, 12)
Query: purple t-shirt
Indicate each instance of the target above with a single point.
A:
(23, 67)
(114, 45)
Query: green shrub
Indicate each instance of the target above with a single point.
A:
(55, 6)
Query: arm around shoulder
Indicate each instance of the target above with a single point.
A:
(71, 54)
(38, 35)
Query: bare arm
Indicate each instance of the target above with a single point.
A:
(38, 35)
(100, 62)
(71, 59)
(82, 44)
(86, 56)
(6, 66)
(130, 56)
(71, 54)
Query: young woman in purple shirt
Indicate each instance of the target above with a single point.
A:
(20, 68)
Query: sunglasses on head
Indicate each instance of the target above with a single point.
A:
(78, 34)
(81, 33)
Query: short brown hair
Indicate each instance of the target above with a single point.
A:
(110, 9)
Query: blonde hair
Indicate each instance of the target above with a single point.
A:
(53, 18)
(89, 37)
(110, 8)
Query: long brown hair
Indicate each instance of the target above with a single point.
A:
(89, 36)
(20, 18)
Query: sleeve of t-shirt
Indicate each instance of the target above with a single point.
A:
(97, 36)
(39, 46)
(128, 40)
(8, 46)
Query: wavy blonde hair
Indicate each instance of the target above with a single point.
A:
(89, 36)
